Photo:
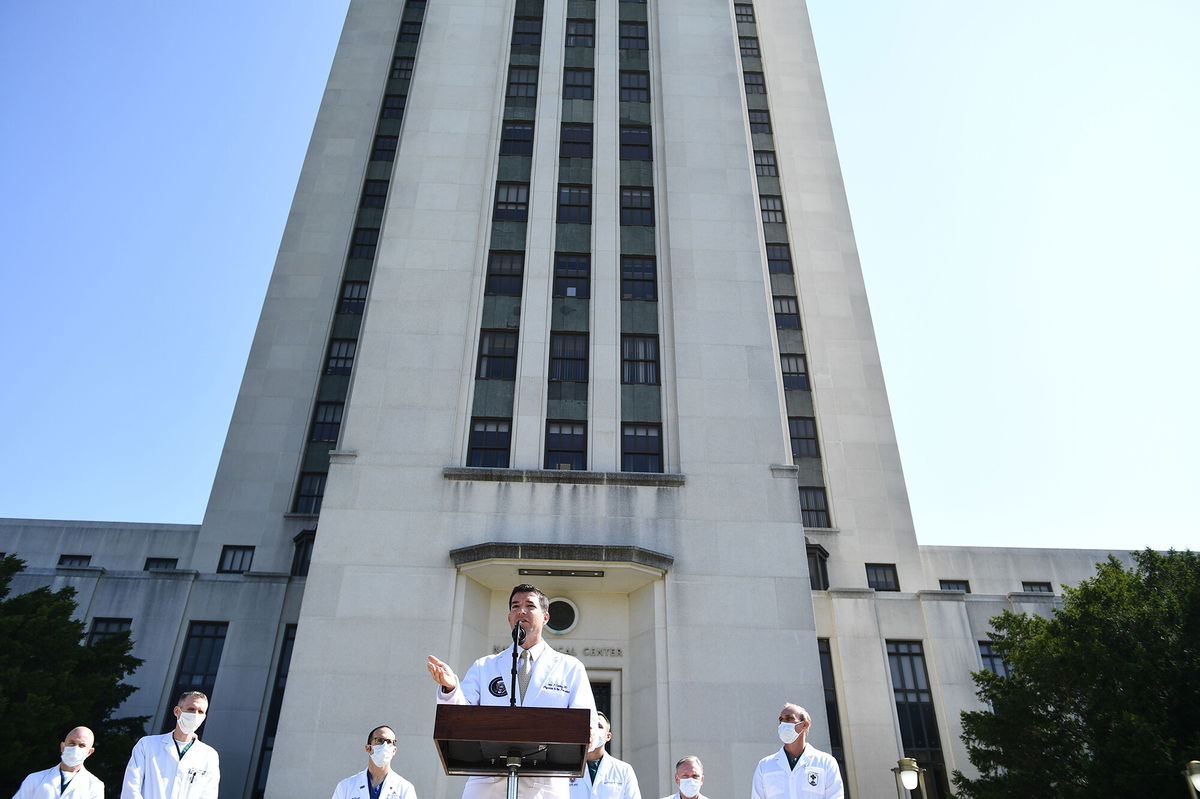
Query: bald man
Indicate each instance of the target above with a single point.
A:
(799, 769)
(69, 779)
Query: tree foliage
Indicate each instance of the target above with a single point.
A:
(50, 682)
(1103, 698)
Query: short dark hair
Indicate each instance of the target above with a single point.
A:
(601, 717)
(526, 588)
(374, 730)
(188, 694)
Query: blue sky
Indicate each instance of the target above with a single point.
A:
(1022, 179)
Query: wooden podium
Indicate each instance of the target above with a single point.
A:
(498, 741)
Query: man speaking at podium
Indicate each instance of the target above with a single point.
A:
(545, 678)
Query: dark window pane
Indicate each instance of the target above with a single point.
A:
(634, 36)
(795, 371)
(760, 121)
(779, 259)
(235, 559)
(577, 84)
(575, 204)
(635, 143)
(310, 492)
(749, 46)
(764, 163)
(393, 106)
(512, 201)
(566, 445)
(637, 206)
(504, 273)
(354, 297)
(489, 443)
(568, 357)
(639, 360)
(787, 313)
(637, 278)
(410, 31)
(363, 244)
(385, 148)
(341, 356)
(374, 194)
(103, 629)
(516, 138)
(772, 207)
(197, 664)
(635, 87)
(756, 82)
(813, 511)
(641, 448)
(882, 577)
(581, 33)
(327, 421)
(402, 67)
(743, 12)
(572, 273)
(803, 430)
(527, 32)
(497, 355)
(576, 141)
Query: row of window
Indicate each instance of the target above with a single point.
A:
(574, 206)
(568, 358)
(579, 83)
(883, 576)
(527, 32)
(565, 446)
(233, 560)
(516, 138)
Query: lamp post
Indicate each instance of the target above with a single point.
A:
(909, 775)
(1192, 775)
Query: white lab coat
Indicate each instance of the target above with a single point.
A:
(156, 772)
(556, 680)
(394, 787)
(816, 775)
(45, 785)
(614, 780)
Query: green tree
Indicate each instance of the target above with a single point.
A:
(50, 682)
(1101, 699)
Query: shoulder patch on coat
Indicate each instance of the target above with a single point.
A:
(497, 688)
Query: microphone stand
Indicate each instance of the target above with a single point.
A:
(518, 636)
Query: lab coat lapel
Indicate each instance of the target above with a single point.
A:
(601, 772)
(70, 791)
(361, 788)
(542, 668)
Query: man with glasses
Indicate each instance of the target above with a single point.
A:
(377, 781)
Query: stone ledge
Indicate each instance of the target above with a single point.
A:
(636, 479)
(500, 550)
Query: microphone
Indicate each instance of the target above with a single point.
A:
(518, 634)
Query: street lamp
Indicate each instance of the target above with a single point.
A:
(909, 775)
(1192, 772)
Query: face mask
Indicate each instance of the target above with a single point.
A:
(597, 739)
(689, 787)
(381, 755)
(190, 722)
(787, 731)
(72, 756)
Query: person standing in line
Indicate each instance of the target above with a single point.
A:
(799, 769)
(177, 764)
(377, 780)
(689, 776)
(68, 779)
(605, 777)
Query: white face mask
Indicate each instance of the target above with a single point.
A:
(597, 739)
(689, 786)
(381, 754)
(72, 756)
(787, 732)
(190, 722)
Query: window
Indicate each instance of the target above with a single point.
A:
(393, 106)
(882, 577)
(576, 141)
(497, 355)
(409, 31)
(914, 708)
(764, 164)
(818, 571)
(760, 121)
(415, 4)
(577, 84)
(374, 194)
(779, 259)
(74, 560)
(354, 297)
(803, 431)
(831, 707)
(341, 356)
(280, 684)
(1036, 588)
(795, 371)
(581, 33)
(634, 36)
(641, 448)
(743, 12)
(516, 138)
(637, 278)
(527, 32)
(512, 201)
(402, 67)
(787, 313)
(749, 46)
(385, 148)
(363, 244)
(568, 357)
(755, 82)
(571, 274)
(575, 204)
(635, 143)
(772, 207)
(504, 270)
(639, 360)
(991, 659)
(488, 443)
(637, 206)
(198, 664)
(235, 559)
(327, 421)
(955, 585)
(635, 87)
(310, 492)
(522, 82)
(165, 564)
(302, 548)
(813, 510)
(566, 445)
(107, 628)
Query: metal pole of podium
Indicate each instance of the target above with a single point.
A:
(513, 763)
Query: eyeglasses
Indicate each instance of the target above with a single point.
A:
(383, 741)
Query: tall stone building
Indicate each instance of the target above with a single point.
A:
(568, 295)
